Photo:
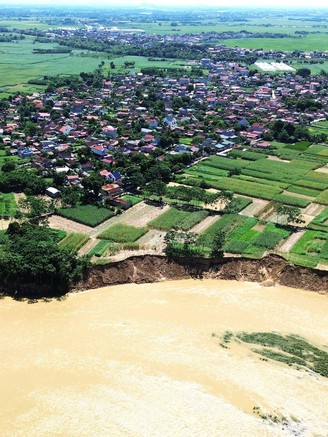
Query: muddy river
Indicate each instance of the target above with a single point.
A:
(146, 360)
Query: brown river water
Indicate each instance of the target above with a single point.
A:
(142, 360)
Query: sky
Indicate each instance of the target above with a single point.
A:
(186, 3)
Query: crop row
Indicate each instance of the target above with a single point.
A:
(291, 200)
(179, 219)
(320, 222)
(323, 198)
(121, 233)
(246, 154)
(89, 215)
(247, 188)
(304, 191)
(73, 241)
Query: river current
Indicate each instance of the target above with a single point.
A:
(146, 360)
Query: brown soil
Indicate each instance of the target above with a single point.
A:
(267, 271)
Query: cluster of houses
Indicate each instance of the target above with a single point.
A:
(131, 113)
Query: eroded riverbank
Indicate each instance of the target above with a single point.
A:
(267, 271)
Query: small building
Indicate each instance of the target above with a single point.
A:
(53, 192)
(111, 190)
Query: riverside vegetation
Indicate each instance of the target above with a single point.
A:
(292, 350)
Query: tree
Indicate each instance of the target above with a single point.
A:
(36, 210)
(156, 187)
(289, 214)
(218, 243)
(92, 184)
(304, 72)
(8, 166)
(136, 180)
(32, 258)
(70, 196)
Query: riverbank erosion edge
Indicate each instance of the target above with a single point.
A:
(267, 271)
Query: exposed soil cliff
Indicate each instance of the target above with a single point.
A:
(268, 271)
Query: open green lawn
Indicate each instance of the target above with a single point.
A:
(132, 199)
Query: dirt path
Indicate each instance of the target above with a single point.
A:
(313, 209)
(291, 241)
(204, 224)
(57, 222)
(139, 215)
(276, 158)
(90, 244)
(322, 169)
(255, 207)
(153, 240)
(301, 196)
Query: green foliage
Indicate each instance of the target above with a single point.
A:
(227, 223)
(224, 163)
(304, 191)
(183, 244)
(178, 219)
(291, 200)
(132, 199)
(8, 205)
(73, 241)
(31, 256)
(293, 349)
(245, 187)
(121, 233)
(235, 246)
(101, 248)
(270, 236)
(320, 222)
(237, 204)
(247, 154)
(90, 215)
(323, 198)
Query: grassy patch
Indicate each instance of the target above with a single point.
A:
(227, 223)
(291, 200)
(101, 248)
(321, 221)
(132, 199)
(74, 241)
(310, 249)
(89, 215)
(178, 219)
(270, 236)
(323, 198)
(121, 233)
(8, 205)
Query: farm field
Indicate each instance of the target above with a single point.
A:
(89, 215)
(73, 241)
(251, 225)
(19, 65)
(179, 219)
(121, 233)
